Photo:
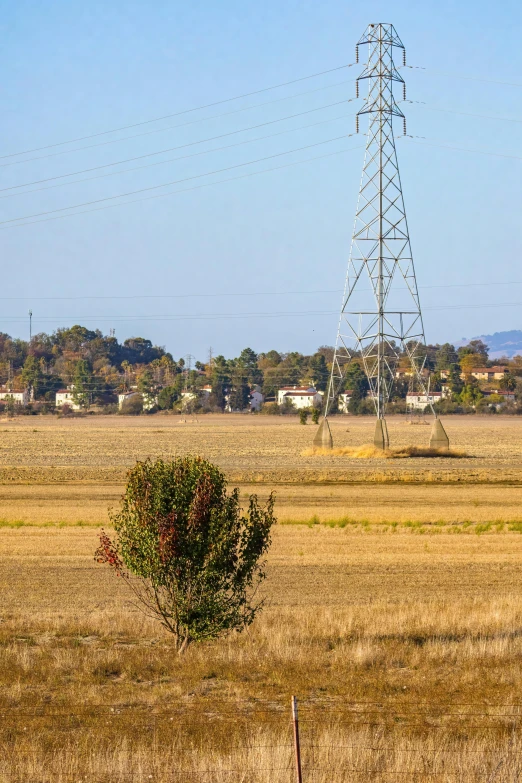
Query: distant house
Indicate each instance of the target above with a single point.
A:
(344, 399)
(149, 400)
(489, 373)
(300, 396)
(284, 390)
(408, 373)
(65, 397)
(420, 401)
(256, 399)
(125, 396)
(19, 397)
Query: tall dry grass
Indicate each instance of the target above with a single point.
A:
(368, 451)
(421, 689)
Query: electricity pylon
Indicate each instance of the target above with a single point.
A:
(381, 317)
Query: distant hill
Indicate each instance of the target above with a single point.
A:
(500, 343)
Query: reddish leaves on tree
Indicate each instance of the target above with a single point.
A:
(201, 504)
(107, 553)
(168, 538)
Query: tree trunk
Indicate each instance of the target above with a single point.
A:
(184, 645)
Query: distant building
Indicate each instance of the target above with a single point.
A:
(408, 373)
(125, 396)
(488, 373)
(420, 401)
(256, 399)
(344, 399)
(19, 397)
(149, 401)
(300, 396)
(284, 390)
(65, 397)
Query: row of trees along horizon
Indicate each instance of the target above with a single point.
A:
(98, 367)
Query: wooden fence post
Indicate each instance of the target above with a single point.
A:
(297, 746)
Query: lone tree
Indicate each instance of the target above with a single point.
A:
(190, 556)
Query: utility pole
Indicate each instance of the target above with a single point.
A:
(379, 323)
(30, 325)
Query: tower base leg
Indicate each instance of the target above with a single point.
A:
(381, 439)
(323, 437)
(438, 437)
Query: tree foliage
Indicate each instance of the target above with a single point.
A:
(132, 406)
(192, 558)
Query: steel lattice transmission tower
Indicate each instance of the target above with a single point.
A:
(381, 319)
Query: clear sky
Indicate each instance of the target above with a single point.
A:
(72, 69)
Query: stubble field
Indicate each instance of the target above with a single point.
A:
(398, 625)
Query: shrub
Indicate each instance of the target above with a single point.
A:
(184, 547)
(303, 416)
(132, 406)
(316, 412)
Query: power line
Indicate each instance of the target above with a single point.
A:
(185, 190)
(425, 105)
(179, 113)
(229, 293)
(427, 143)
(231, 316)
(173, 127)
(459, 76)
(13, 221)
(180, 157)
(180, 146)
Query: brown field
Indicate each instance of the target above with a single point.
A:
(404, 649)
(70, 470)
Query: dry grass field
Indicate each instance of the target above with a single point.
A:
(401, 638)
(70, 470)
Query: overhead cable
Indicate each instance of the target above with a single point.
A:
(180, 157)
(231, 316)
(231, 293)
(179, 113)
(171, 127)
(180, 146)
(428, 143)
(185, 190)
(459, 76)
(174, 182)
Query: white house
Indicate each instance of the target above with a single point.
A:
(148, 401)
(65, 397)
(420, 401)
(344, 399)
(19, 397)
(300, 396)
(125, 396)
(256, 399)
(284, 390)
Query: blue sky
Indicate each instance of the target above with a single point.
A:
(249, 245)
